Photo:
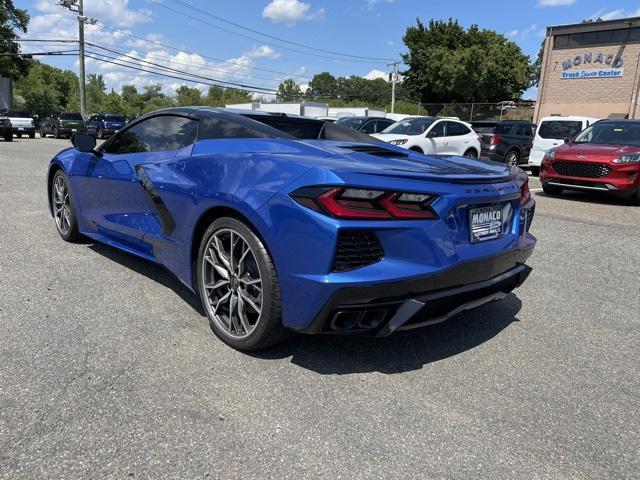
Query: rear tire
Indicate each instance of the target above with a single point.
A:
(64, 213)
(551, 190)
(32, 135)
(511, 158)
(18, 135)
(56, 133)
(8, 137)
(471, 153)
(535, 171)
(238, 286)
(42, 134)
(416, 149)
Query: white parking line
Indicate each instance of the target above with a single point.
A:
(535, 189)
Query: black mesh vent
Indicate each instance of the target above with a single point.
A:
(581, 169)
(355, 249)
(374, 150)
(530, 213)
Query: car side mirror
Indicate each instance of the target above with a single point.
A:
(433, 134)
(83, 142)
(567, 140)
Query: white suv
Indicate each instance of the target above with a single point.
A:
(432, 135)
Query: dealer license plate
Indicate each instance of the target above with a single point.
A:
(485, 223)
(74, 129)
(20, 128)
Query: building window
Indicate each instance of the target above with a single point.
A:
(602, 37)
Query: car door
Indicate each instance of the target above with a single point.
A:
(435, 141)
(115, 191)
(525, 139)
(458, 138)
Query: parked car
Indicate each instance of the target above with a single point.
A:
(432, 135)
(605, 157)
(22, 123)
(103, 125)
(62, 124)
(367, 125)
(507, 141)
(553, 131)
(275, 233)
(6, 129)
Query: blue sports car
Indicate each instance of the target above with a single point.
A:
(316, 233)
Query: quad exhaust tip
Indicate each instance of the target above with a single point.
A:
(344, 320)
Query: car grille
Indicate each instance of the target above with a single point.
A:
(581, 169)
(355, 249)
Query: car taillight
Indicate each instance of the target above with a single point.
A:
(525, 193)
(496, 139)
(60, 123)
(366, 204)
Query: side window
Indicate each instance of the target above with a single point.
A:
(369, 127)
(437, 130)
(455, 129)
(156, 134)
(382, 124)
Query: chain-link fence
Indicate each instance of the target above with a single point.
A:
(480, 111)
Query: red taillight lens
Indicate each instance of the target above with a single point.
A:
(365, 204)
(525, 193)
(496, 139)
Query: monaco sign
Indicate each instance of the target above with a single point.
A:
(611, 63)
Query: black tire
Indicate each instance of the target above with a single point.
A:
(635, 198)
(511, 158)
(471, 153)
(32, 135)
(42, 134)
(56, 133)
(8, 137)
(551, 189)
(70, 234)
(18, 135)
(535, 171)
(416, 149)
(268, 329)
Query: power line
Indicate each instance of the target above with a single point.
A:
(273, 37)
(192, 52)
(197, 19)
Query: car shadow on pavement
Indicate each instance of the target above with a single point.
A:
(150, 270)
(403, 351)
(591, 197)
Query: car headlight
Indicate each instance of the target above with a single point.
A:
(630, 158)
(400, 141)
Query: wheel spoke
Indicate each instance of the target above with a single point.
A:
(216, 285)
(250, 282)
(223, 272)
(243, 318)
(241, 261)
(249, 301)
(221, 301)
(219, 249)
(231, 266)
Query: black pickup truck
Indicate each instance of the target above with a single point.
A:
(507, 141)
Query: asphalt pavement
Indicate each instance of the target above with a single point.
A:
(108, 368)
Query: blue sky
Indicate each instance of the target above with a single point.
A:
(365, 28)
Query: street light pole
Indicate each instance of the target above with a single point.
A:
(81, 20)
(394, 76)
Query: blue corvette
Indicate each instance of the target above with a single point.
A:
(275, 232)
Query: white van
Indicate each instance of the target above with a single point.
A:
(551, 132)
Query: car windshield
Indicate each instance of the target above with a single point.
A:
(350, 122)
(611, 133)
(71, 116)
(18, 114)
(114, 118)
(410, 126)
(559, 129)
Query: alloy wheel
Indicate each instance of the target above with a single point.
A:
(61, 205)
(512, 159)
(232, 283)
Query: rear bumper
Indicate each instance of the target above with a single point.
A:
(381, 309)
(26, 130)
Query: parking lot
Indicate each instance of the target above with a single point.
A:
(108, 368)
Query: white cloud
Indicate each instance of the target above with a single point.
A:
(263, 51)
(604, 14)
(375, 73)
(112, 12)
(531, 31)
(555, 3)
(290, 11)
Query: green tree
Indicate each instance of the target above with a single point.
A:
(289, 91)
(188, 96)
(536, 68)
(46, 89)
(450, 64)
(322, 85)
(12, 19)
(95, 92)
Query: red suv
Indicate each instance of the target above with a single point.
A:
(604, 157)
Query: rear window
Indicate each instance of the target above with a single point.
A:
(18, 114)
(503, 129)
(559, 129)
(114, 118)
(71, 116)
(483, 127)
(350, 122)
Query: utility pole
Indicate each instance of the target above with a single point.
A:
(77, 6)
(394, 77)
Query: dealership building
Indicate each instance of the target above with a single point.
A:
(591, 69)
